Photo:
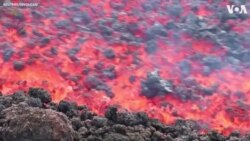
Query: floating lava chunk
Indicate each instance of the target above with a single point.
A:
(173, 60)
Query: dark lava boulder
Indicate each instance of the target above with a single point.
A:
(41, 94)
(18, 65)
(23, 123)
(154, 85)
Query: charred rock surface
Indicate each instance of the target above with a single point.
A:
(93, 82)
(18, 65)
(20, 120)
(154, 85)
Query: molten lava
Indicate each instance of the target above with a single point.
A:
(98, 52)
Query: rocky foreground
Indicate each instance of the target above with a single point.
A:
(32, 116)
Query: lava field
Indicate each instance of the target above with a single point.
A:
(185, 63)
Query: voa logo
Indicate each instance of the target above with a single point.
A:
(237, 9)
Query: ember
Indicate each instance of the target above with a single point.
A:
(101, 53)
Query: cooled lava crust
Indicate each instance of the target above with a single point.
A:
(172, 59)
(33, 117)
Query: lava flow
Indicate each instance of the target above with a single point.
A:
(171, 59)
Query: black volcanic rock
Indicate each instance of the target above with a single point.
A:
(151, 46)
(18, 65)
(7, 54)
(62, 24)
(154, 85)
(212, 62)
(82, 17)
(34, 102)
(175, 10)
(64, 107)
(185, 68)
(44, 41)
(40, 93)
(109, 53)
(93, 82)
(41, 124)
(36, 125)
(109, 72)
(155, 30)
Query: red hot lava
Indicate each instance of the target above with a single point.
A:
(106, 52)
